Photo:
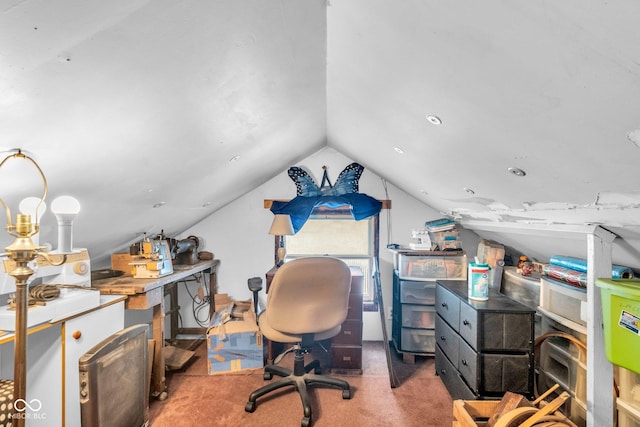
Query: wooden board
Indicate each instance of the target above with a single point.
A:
(176, 358)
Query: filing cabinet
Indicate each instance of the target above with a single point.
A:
(346, 347)
(483, 348)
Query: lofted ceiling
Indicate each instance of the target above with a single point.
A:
(127, 102)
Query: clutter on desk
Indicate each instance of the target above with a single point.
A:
(151, 258)
(60, 287)
(155, 257)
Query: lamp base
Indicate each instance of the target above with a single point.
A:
(282, 254)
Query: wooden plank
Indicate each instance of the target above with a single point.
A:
(467, 412)
(147, 300)
(393, 379)
(508, 402)
(175, 357)
(386, 204)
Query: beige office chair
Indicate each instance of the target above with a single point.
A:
(307, 302)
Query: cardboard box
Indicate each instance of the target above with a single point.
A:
(235, 346)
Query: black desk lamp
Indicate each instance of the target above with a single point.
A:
(255, 286)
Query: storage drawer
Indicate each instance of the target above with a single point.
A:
(564, 369)
(418, 340)
(355, 307)
(448, 306)
(348, 357)
(423, 266)
(496, 331)
(451, 379)
(524, 289)
(447, 339)
(418, 316)
(468, 366)
(350, 334)
(417, 292)
(567, 301)
(499, 372)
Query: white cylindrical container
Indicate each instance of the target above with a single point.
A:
(478, 281)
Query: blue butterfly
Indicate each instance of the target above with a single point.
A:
(346, 183)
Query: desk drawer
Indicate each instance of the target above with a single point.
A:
(468, 366)
(355, 307)
(350, 334)
(451, 379)
(448, 306)
(348, 357)
(447, 339)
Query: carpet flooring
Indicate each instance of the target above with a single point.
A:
(196, 398)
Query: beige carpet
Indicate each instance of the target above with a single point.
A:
(196, 398)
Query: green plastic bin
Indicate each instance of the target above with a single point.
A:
(621, 319)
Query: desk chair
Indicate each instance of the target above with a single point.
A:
(307, 302)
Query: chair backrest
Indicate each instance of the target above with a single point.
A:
(309, 295)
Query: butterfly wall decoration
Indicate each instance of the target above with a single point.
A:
(309, 195)
(346, 183)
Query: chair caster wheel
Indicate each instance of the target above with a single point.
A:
(267, 376)
(346, 394)
(250, 406)
(306, 421)
(317, 370)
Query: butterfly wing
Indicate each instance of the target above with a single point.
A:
(305, 185)
(347, 181)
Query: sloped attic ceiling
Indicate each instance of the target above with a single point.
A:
(131, 104)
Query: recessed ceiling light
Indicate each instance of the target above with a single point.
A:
(424, 192)
(158, 205)
(517, 171)
(434, 120)
(234, 159)
(399, 150)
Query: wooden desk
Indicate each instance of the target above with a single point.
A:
(143, 294)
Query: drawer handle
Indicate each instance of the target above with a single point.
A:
(443, 371)
(465, 322)
(444, 304)
(464, 362)
(443, 338)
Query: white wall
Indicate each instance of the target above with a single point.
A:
(237, 233)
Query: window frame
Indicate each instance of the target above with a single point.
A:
(319, 213)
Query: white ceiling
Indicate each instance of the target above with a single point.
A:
(118, 100)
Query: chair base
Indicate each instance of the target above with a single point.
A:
(299, 378)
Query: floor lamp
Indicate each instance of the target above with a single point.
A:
(21, 252)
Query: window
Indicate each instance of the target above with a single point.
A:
(334, 232)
